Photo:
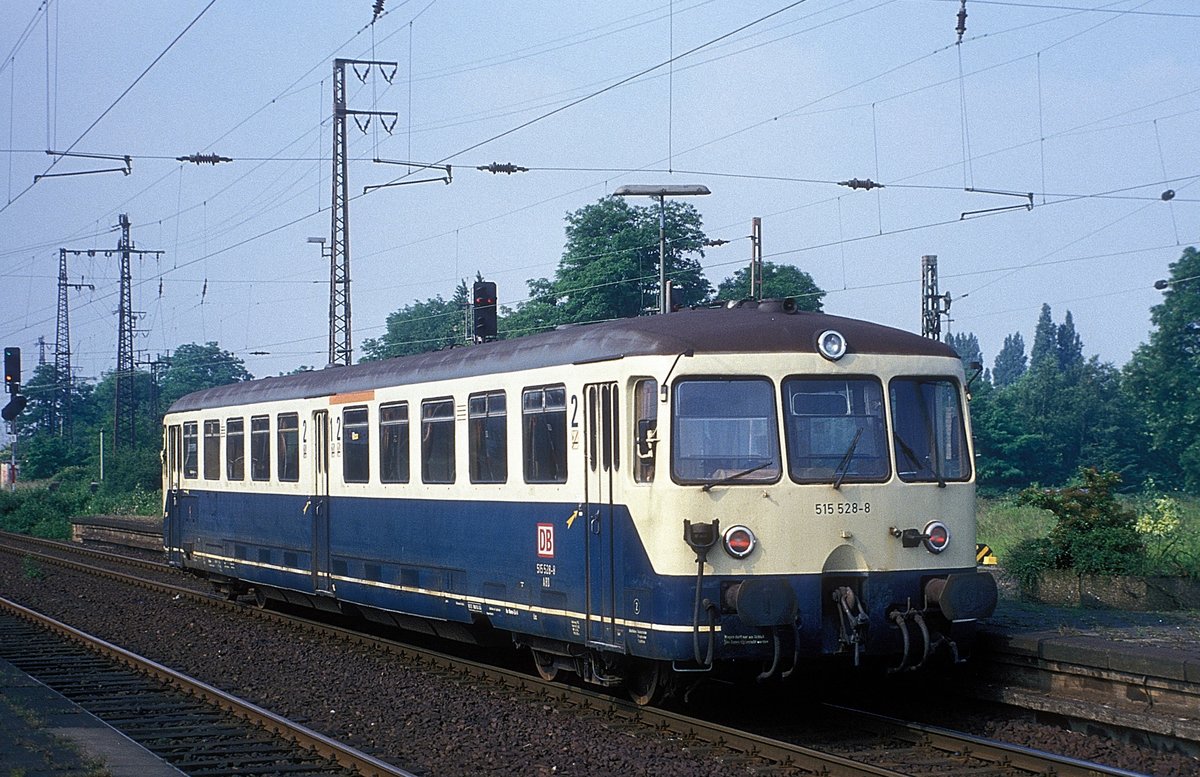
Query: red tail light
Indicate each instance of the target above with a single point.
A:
(937, 536)
(739, 541)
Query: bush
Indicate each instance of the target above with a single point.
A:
(1095, 534)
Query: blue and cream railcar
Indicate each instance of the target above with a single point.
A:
(749, 484)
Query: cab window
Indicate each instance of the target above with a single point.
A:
(724, 430)
(835, 430)
(929, 430)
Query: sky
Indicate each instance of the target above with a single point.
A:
(1084, 109)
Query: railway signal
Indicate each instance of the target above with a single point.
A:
(484, 311)
(12, 384)
(12, 370)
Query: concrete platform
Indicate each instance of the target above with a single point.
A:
(1135, 671)
(42, 734)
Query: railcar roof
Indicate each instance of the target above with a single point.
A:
(762, 328)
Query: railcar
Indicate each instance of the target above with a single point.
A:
(750, 487)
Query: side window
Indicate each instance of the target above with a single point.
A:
(544, 434)
(356, 445)
(289, 447)
(488, 436)
(260, 448)
(645, 414)
(393, 443)
(235, 449)
(191, 444)
(212, 449)
(173, 437)
(437, 441)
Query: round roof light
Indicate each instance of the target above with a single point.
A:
(937, 536)
(739, 541)
(831, 344)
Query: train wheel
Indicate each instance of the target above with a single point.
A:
(544, 662)
(646, 682)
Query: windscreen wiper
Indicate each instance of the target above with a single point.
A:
(735, 476)
(843, 466)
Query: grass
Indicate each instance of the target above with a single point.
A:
(1169, 524)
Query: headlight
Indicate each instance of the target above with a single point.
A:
(937, 536)
(831, 344)
(739, 541)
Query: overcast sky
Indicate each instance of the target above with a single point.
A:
(1090, 105)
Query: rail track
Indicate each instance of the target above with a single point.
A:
(193, 726)
(867, 745)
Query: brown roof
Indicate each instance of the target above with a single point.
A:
(763, 328)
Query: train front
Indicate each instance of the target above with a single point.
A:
(824, 502)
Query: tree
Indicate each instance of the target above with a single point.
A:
(1162, 377)
(1045, 341)
(1069, 345)
(1049, 421)
(422, 326)
(966, 345)
(609, 267)
(194, 367)
(778, 280)
(1011, 362)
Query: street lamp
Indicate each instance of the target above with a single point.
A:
(662, 192)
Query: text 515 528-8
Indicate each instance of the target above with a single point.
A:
(842, 508)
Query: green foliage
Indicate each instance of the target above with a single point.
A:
(1095, 534)
(31, 570)
(609, 267)
(41, 512)
(1161, 378)
(1027, 560)
(421, 327)
(194, 367)
(1061, 414)
(778, 281)
(1170, 528)
(1011, 362)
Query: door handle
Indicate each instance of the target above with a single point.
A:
(594, 524)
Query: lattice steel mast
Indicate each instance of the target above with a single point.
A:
(125, 406)
(341, 349)
(62, 348)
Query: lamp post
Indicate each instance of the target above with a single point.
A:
(662, 192)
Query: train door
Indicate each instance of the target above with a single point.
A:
(319, 503)
(172, 506)
(602, 460)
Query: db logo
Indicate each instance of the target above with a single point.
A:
(545, 540)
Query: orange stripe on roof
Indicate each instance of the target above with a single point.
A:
(353, 396)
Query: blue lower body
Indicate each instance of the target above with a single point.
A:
(497, 565)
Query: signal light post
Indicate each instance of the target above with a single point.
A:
(483, 311)
(12, 384)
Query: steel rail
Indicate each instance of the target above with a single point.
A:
(305, 737)
(83, 550)
(993, 751)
